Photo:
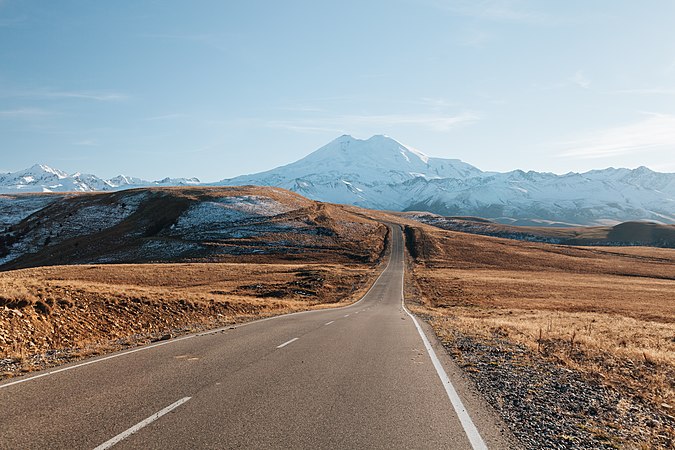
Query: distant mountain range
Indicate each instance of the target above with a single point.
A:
(41, 178)
(381, 173)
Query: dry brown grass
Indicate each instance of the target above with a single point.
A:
(309, 231)
(85, 310)
(606, 312)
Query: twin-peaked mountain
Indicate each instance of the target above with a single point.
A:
(381, 173)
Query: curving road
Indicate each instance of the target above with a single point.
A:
(355, 377)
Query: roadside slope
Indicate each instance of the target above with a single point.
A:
(572, 345)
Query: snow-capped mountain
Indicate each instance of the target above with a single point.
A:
(382, 173)
(42, 178)
(359, 172)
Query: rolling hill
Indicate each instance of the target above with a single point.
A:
(623, 234)
(184, 224)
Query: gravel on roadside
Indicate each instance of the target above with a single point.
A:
(549, 406)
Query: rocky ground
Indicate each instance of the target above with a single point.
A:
(549, 406)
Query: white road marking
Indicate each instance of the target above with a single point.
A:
(287, 342)
(116, 355)
(328, 323)
(142, 424)
(464, 418)
(205, 333)
(346, 315)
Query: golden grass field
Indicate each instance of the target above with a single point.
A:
(86, 310)
(606, 312)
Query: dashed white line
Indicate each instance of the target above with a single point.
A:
(142, 424)
(328, 323)
(287, 342)
(206, 333)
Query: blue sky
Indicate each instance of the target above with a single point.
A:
(214, 89)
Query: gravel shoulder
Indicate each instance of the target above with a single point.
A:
(546, 405)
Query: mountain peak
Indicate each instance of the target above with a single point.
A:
(45, 169)
(40, 171)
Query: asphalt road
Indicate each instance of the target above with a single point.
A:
(355, 377)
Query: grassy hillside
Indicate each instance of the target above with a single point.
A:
(624, 234)
(524, 317)
(190, 225)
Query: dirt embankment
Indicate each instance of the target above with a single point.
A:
(573, 345)
(57, 314)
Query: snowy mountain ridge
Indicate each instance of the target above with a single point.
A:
(382, 173)
(42, 178)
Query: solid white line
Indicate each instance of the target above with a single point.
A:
(287, 342)
(93, 361)
(464, 418)
(142, 424)
(328, 323)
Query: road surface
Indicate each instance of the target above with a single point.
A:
(355, 377)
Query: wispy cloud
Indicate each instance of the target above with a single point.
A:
(436, 103)
(87, 142)
(474, 37)
(301, 108)
(172, 116)
(434, 122)
(219, 41)
(655, 131)
(100, 96)
(581, 80)
(648, 91)
(24, 113)
(493, 10)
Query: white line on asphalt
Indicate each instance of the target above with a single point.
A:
(287, 342)
(142, 424)
(205, 333)
(465, 419)
(328, 323)
(52, 372)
